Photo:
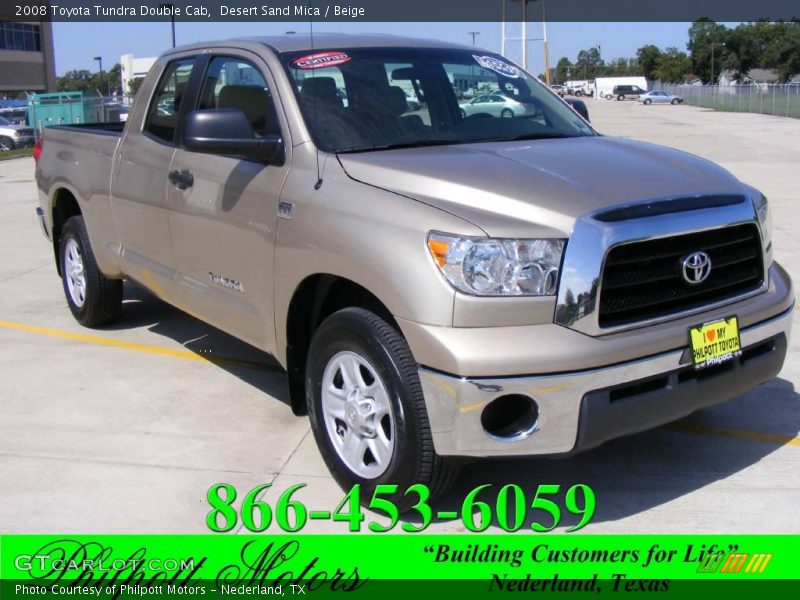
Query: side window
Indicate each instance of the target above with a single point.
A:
(162, 117)
(236, 83)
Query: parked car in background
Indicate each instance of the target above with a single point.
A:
(496, 105)
(623, 92)
(659, 98)
(561, 90)
(13, 137)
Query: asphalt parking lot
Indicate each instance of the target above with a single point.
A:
(123, 430)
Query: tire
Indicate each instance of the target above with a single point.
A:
(579, 93)
(463, 113)
(507, 113)
(6, 144)
(648, 101)
(390, 418)
(674, 101)
(93, 299)
(609, 96)
(621, 97)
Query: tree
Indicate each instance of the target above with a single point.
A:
(702, 34)
(562, 66)
(588, 64)
(74, 81)
(134, 85)
(672, 66)
(743, 51)
(647, 57)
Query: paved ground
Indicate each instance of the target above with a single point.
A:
(123, 430)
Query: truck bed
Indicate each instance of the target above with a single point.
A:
(112, 128)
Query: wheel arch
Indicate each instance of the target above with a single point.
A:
(314, 299)
(63, 206)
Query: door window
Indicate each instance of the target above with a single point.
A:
(236, 83)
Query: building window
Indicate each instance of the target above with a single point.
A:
(20, 36)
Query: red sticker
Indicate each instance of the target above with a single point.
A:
(323, 59)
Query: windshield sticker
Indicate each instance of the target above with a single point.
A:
(498, 66)
(321, 60)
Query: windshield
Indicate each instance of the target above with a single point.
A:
(380, 98)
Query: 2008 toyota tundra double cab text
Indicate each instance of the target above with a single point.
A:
(437, 285)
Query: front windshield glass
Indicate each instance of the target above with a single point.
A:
(380, 98)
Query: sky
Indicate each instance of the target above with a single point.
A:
(77, 43)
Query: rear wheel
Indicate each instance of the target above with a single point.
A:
(367, 410)
(507, 113)
(93, 299)
(674, 101)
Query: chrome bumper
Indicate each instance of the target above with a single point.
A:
(455, 404)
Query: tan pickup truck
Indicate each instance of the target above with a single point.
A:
(437, 284)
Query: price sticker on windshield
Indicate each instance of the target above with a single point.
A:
(498, 66)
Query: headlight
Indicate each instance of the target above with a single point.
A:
(498, 267)
(765, 221)
(15, 133)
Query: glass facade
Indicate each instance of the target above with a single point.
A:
(20, 36)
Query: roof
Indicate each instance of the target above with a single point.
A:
(324, 41)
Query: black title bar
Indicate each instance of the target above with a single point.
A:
(399, 10)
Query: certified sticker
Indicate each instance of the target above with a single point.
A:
(321, 60)
(498, 66)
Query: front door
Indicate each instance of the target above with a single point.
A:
(223, 223)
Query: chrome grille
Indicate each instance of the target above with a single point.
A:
(644, 280)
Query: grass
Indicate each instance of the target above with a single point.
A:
(22, 152)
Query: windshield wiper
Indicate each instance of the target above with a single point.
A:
(550, 135)
(414, 144)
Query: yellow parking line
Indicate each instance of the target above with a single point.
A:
(741, 434)
(146, 348)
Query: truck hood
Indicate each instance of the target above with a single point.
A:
(545, 183)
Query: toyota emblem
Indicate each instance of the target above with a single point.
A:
(696, 268)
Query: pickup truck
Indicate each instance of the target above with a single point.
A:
(436, 285)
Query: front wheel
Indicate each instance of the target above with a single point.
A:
(367, 410)
(93, 299)
(648, 101)
(6, 144)
(621, 97)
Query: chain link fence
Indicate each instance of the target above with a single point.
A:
(780, 99)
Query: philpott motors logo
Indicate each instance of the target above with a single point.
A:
(734, 562)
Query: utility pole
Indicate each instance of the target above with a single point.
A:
(103, 82)
(474, 34)
(171, 8)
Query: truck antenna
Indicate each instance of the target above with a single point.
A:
(313, 76)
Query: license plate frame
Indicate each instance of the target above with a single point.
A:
(715, 342)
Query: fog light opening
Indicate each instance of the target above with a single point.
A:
(510, 418)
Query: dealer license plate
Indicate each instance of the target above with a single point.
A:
(715, 343)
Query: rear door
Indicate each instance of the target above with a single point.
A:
(223, 224)
(139, 183)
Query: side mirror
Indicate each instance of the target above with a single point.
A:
(227, 131)
(579, 106)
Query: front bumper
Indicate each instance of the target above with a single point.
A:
(579, 410)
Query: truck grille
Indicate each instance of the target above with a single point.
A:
(25, 132)
(644, 280)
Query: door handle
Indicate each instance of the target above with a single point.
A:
(181, 179)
